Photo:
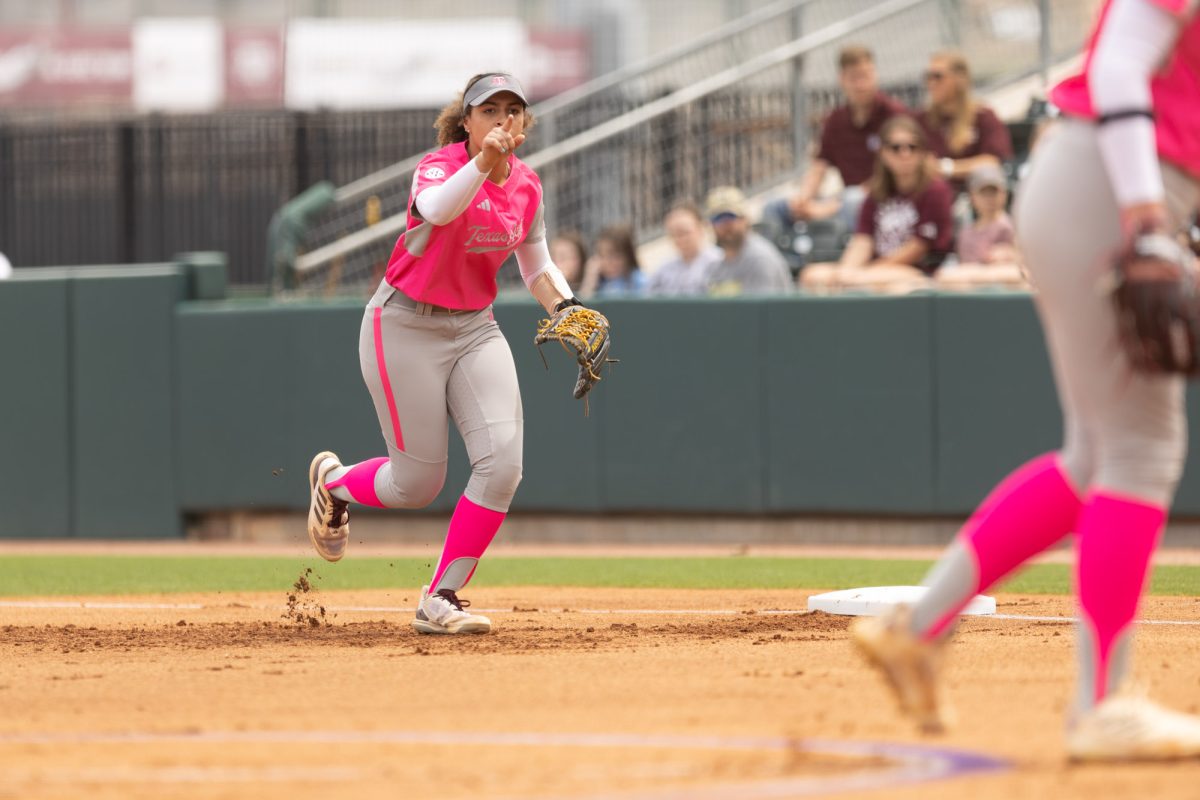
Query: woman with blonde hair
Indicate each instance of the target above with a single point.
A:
(962, 134)
(905, 227)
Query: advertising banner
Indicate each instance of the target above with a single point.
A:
(559, 59)
(61, 67)
(179, 64)
(361, 63)
(254, 67)
(198, 65)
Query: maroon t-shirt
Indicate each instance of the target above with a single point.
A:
(991, 137)
(925, 215)
(851, 149)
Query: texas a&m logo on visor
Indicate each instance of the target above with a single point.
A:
(499, 80)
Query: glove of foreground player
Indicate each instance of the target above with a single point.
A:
(1158, 311)
(583, 333)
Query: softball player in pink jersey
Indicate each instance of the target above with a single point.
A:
(1125, 162)
(431, 351)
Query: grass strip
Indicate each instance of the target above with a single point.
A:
(47, 576)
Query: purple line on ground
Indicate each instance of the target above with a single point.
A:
(913, 764)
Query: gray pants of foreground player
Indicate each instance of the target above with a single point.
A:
(441, 366)
(1124, 432)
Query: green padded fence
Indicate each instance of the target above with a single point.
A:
(848, 385)
(35, 417)
(123, 449)
(995, 405)
(87, 402)
(127, 406)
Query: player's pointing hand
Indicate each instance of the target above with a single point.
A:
(499, 142)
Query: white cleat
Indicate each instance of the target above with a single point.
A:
(443, 613)
(328, 517)
(1125, 728)
(908, 663)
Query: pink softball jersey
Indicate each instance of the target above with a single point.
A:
(455, 265)
(1175, 90)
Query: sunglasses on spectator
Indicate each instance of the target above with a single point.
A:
(933, 77)
(902, 147)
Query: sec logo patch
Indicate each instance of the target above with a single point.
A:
(433, 173)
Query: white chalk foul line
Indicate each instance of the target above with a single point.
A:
(663, 612)
(1076, 619)
(196, 774)
(913, 763)
(96, 604)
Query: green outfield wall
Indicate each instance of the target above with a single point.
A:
(128, 404)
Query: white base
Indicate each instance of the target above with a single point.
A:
(871, 601)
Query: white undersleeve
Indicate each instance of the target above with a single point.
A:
(534, 260)
(440, 204)
(1136, 39)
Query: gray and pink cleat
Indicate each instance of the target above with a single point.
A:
(909, 664)
(443, 613)
(1124, 727)
(328, 517)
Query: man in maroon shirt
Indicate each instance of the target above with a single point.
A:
(849, 139)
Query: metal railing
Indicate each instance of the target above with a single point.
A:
(736, 124)
(736, 107)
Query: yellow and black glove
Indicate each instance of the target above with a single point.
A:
(584, 333)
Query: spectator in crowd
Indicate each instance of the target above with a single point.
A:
(689, 272)
(569, 252)
(962, 134)
(616, 263)
(987, 252)
(849, 143)
(905, 228)
(750, 263)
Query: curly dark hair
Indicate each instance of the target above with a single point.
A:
(449, 124)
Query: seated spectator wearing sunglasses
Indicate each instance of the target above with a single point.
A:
(905, 228)
(962, 134)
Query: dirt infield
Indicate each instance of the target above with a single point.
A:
(578, 694)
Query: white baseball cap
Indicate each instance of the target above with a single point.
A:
(490, 84)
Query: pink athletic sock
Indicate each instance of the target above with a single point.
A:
(359, 482)
(472, 528)
(1031, 510)
(1117, 536)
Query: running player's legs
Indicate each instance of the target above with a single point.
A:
(1124, 444)
(1037, 505)
(1122, 453)
(1129, 428)
(406, 360)
(485, 402)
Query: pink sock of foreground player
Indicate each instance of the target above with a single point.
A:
(1031, 510)
(1117, 536)
(359, 481)
(472, 528)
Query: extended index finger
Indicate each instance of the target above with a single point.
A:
(508, 123)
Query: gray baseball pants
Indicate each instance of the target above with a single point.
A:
(423, 367)
(1125, 432)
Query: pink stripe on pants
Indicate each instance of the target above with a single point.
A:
(383, 377)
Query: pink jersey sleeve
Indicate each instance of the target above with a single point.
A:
(433, 170)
